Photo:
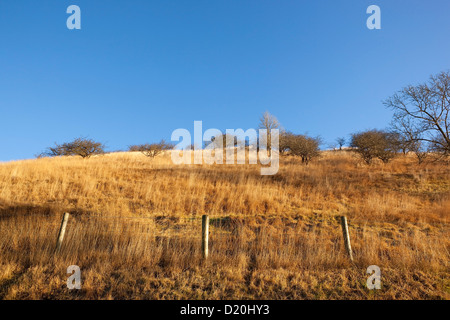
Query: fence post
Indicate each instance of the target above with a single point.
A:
(239, 234)
(205, 233)
(62, 231)
(346, 234)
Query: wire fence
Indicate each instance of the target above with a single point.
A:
(214, 229)
(225, 235)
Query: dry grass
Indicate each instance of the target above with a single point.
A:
(135, 229)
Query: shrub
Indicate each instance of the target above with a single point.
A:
(375, 144)
(153, 149)
(79, 147)
(300, 145)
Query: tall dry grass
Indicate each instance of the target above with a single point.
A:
(135, 228)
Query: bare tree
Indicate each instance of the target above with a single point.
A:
(375, 144)
(153, 149)
(404, 143)
(268, 122)
(286, 141)
(421, 113)
(78, 147)
(341, 142)
(301, 146)
(408, 142)
(419, 149)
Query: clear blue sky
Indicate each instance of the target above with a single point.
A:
(139, 69)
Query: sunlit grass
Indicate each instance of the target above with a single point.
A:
(135, 228)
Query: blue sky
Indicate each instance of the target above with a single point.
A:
(137, 70)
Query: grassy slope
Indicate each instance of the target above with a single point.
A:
(135, 229)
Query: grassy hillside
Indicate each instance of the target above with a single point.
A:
(135, 229)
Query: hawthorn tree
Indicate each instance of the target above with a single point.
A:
(151, 150)
(375, 144)
(341, 142)
(82, 147)
(303, 146)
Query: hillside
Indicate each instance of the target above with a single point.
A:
(135, 228)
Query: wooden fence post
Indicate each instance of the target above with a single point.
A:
(205, 233)
(62, 231)
(239, 234)
(346, 234)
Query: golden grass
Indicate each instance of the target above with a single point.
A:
(135, 231)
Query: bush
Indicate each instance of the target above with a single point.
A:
(300, 145)
(152, 150)
(375, 144)
(79, 147)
